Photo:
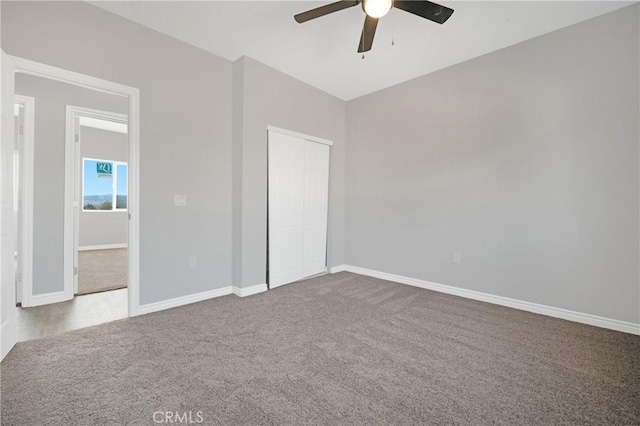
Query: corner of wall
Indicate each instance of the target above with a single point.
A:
(236, 168)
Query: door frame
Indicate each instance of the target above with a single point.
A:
(299, 135)
(73, 185)
(8, 310)
(25, 158)
(37, 69)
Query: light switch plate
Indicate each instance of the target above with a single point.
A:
(180, 200)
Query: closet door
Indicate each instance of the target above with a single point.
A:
(286, 204)
(298, 208)
(316, 203)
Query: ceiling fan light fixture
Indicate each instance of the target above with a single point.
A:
(377, 8)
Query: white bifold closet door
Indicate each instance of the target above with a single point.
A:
(298, 208)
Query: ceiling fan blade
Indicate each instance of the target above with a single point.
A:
(323, 10)
(368, 32)
(426, 9)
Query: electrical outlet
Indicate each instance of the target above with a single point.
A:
(193, 261)
(457, 258)
(180, 200)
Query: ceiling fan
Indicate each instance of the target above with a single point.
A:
(375, 9)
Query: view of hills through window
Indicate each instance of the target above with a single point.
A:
(104, 185)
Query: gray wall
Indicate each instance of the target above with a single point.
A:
(268, 97)
(100, 227)
(51, 100)
(525, 161)
(185, 132)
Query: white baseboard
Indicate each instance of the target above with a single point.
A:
(199, 297)
(249, 291)
(183, 300)
(9, 337)
(338, 268)
(103, 247)
(45, 299)
(613, 324)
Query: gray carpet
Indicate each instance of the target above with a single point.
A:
(339, 349)
(102, 270)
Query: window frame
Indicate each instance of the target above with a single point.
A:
(114, 185)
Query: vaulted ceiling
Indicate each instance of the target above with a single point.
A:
(323, 52)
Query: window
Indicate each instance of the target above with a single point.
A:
(104, 185)
(122, 185)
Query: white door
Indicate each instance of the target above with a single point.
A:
(17, 195)
(298, 204)
(7, 249)
(286, 204)
(23, 195)
(316, 194)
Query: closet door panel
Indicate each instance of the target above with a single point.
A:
(316, 201)
(286, 204)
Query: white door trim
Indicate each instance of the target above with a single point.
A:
(26, 66)
(73, 182)
(299, 135)
(8, 310)
(26, 189)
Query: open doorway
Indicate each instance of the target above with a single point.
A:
(101, 219)
(72, 271)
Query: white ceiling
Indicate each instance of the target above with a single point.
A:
(323, 52)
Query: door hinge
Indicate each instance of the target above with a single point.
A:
(77, 137)
(19, 277)
(21, 131)
(75, 270)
